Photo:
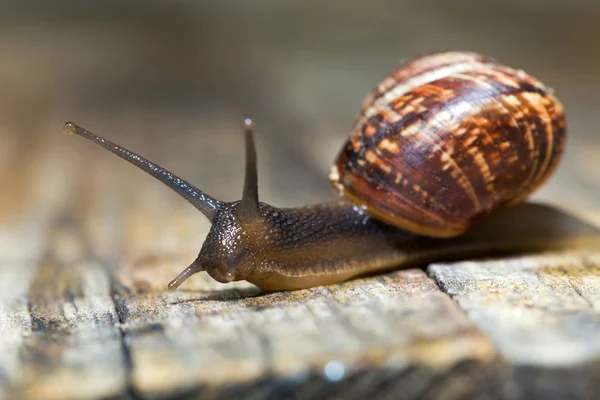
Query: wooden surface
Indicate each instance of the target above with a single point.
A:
(88, 243)
(84, 312)
(521, 327)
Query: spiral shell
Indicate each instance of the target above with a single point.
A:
(446, 138)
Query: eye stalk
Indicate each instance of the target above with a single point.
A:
(248, 208)
(202, 201)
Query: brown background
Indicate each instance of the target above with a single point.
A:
(173, 80)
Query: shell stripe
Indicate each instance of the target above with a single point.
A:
(537, 103)
(532, 88)
(426, 68)
(454, 111)
(346, 183)
(491, 77)
(377, 178)
(522, 112)
(405, 180)
(399, 89)
(377, 174)
(439, 121)
(395, 193)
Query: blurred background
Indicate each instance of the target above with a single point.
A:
(173, 80)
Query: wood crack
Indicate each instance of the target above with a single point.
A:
(116, 291)
(576, 289)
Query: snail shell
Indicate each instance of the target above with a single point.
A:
(446, 138)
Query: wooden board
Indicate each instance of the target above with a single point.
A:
(80, 324)
(542, 315)
(84, 313)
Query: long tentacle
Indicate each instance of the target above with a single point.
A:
(203, 202)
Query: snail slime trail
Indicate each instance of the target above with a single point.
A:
(446, 141)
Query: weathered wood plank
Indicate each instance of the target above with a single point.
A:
(542, 313)
(235, 338)
(95, 320)
(59, 333)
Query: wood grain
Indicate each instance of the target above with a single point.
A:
(84, 312)
(542, 314)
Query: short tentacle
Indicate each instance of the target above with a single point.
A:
(195, 267)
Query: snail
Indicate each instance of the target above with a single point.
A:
(442, 156)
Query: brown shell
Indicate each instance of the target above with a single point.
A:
(447, 137)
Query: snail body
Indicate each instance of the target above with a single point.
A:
(446, 139)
